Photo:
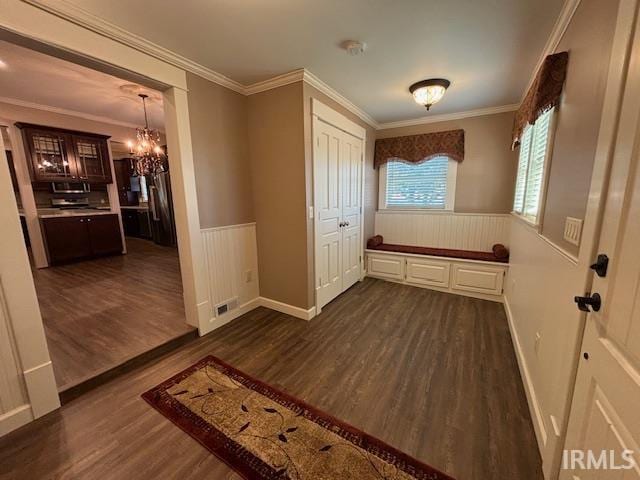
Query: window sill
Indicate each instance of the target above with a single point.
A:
(526, 221)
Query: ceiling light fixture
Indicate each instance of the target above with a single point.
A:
(429, 92)
(146, 150)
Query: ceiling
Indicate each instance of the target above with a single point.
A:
(35, 78)
(487, 48)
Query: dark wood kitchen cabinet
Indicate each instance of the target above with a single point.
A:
(58, 155)
(70, 238)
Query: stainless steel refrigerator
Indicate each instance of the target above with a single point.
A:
(163, 227)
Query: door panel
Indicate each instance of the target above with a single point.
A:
(605, 413)
(351, 170)
(327, 205)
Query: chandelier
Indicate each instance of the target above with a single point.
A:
(146, 150)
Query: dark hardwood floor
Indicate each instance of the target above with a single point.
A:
(430, 373)
(100, 313)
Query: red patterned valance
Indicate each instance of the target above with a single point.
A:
(544, 93)
(419, 148)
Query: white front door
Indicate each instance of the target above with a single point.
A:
(603, 436)
(351, 170)
(327, 147)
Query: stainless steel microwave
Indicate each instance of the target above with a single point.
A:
(68, 187)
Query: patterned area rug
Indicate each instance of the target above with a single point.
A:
(263, 433)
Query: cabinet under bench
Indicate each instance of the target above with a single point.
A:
(70, 238)
(473, 278)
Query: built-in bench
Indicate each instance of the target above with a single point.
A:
(463, 272)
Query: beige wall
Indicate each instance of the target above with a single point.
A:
(370, 176)
(276, 146)
(219, 135)
(486, 177)
(588, 40)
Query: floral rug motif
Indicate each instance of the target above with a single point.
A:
(263, 433)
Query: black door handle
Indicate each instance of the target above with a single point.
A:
(591, 300)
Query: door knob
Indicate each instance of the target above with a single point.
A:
(590, 300)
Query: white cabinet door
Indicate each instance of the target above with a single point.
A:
(428, 272)
(351, 170)
(327, 150)
(386, 266)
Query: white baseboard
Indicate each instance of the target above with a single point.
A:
(15, 419)
(42, 389)
(304, 314)
(217, 322)
(532, 399)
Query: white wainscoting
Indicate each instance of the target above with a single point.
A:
(463, 231)
(231, 254)
(14, 403)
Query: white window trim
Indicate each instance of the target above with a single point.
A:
(536, 221)
(452, 175)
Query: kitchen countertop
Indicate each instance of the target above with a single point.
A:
(134, 207)
(76, 212)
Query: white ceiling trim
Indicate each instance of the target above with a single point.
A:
(445, 117)
(562, 23)
(81, 17)
(275, 82)
(64, 111)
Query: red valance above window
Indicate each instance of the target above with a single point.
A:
(544, 93)
(420, 148)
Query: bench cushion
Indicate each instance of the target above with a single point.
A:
(439, 252)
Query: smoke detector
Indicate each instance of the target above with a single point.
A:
(354, 47)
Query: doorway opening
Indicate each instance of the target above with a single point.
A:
(101, 237)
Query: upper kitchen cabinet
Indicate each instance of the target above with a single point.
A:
(64, 155)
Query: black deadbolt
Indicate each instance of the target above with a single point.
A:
(601, 265)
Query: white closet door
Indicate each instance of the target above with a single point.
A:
(327, 150)
(351, 181)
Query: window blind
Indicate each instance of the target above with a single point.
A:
(523, 166)
(421, 185)
(531, 167)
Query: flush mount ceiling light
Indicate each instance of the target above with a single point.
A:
(429, 92)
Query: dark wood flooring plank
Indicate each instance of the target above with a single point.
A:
(432, 374)
(100, 313)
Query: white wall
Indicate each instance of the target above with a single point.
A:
(545, 325)
(463, 231)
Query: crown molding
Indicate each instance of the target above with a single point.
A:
(64, 111)
(560, 27)
(318, 84)
(275, 82)
(449, 116)
(85, 19)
